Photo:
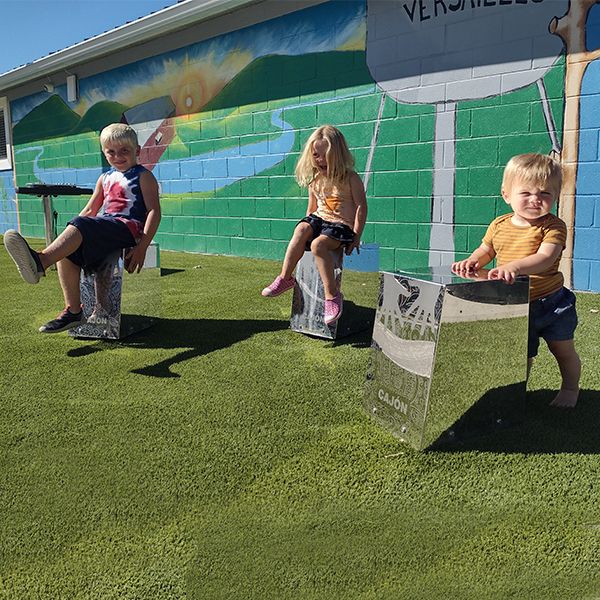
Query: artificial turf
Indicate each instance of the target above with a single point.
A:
(220, 455)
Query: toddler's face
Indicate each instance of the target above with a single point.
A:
(120, 156)
(319, 154)
(529, 201)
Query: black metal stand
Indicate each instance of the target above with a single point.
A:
(46, 191)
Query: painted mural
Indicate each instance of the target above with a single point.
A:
(580, 30)
(441, 60)
(8, 204)
(433, 96)
(200, 78)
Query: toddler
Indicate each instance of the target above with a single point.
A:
(530, 241)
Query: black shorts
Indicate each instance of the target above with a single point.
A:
(336, 231)
(553, 318)
(101, 237)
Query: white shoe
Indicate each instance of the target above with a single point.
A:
(23, 256)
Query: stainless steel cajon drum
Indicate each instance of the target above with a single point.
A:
(116, 303)
(308, 303)
(448, 354)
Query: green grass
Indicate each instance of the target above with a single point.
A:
(220, 455)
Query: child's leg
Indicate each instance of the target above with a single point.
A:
(69, 276)
(103, 281)
(284, 281)
(66, 243)
(295, 250)
(102, 284)
(570, 370)
(321, 247)
(72, 315)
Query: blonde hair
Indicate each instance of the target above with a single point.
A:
(119, 132)
(533, 168)
(340, 162)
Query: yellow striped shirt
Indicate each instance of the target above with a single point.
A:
(511, 242)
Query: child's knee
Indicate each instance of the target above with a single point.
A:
(563, 349)
(320, 245)
(303, 232)
(303, 228)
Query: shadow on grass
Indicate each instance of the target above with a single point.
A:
(532, 428)
(359, 320)
(355, 327)
(164, 272)
(197, 336)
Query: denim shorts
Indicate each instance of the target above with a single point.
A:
(553, 318)
(336, 231)
(101, 236)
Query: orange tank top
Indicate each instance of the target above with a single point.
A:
(334, 201)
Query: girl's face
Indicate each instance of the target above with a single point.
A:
(319, 154)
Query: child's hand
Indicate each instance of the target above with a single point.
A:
(468, 265)
(354, 244)
(134, 259)
(504, 273)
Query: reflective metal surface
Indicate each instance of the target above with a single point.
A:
(117, 303)
(308, 303)
(442, 345)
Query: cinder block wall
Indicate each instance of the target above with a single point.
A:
(8, 203)
(586, 264)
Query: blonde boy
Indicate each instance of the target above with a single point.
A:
(123, 212)
(530, 241)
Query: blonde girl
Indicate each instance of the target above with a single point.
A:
(335, 217)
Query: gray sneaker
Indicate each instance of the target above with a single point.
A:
(65, 320)
(27, 260)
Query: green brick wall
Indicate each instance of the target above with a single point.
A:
(64, 156)
(489, 132)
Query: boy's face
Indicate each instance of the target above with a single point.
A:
(121, 156)
(529, 201)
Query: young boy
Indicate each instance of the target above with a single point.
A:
(530, 241)
(123, 212)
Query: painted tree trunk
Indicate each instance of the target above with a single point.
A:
(571, 28)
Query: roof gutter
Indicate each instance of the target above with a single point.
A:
(164, 21)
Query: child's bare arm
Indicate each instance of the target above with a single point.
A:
(478, 259)
(149, 187)
(312, 202)
(530, 265)
(95, 202)
(360, 200)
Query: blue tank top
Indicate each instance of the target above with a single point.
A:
(123, 198)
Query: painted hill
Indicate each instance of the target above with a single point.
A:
(267, 78)
(54, 118)
(279, 76)
(51, 118)
(99, 116)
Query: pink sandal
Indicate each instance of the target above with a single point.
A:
(279, 286)
(333, 309)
